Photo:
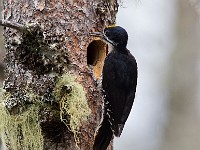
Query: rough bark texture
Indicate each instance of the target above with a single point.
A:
(35, 60)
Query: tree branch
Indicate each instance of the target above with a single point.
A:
(17, 26)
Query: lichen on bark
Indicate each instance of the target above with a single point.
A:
(73, 103)
(21, 131)
(35, 61)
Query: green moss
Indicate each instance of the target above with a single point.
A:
(73, 102)
(21, 131)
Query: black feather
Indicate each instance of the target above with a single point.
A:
(119, 81)
(104, 135)
(119, 85)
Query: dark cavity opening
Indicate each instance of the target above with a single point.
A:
(96, 54)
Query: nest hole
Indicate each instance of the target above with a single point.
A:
(96, 54)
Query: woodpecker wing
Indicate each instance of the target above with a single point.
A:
(119, 86)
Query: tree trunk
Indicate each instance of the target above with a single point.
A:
(50, 98)
(2, 53)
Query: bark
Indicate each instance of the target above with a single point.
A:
(2, 54)
(52, 46)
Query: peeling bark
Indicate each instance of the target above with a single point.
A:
(36, 60)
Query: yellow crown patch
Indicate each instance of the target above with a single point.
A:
(111, 26)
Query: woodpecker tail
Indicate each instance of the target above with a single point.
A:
(103, 136)
(118, 129)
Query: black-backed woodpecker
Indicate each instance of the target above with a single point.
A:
(119, 80)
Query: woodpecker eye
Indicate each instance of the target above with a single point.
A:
(105, 30)
(107, 33)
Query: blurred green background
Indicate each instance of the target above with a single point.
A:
(164, 36)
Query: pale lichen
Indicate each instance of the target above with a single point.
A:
(20, 131)
(73, 103)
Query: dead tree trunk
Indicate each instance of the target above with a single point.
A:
(50, 99)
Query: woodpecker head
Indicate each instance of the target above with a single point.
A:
(114, 35)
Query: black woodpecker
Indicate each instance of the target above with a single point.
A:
(119, 80)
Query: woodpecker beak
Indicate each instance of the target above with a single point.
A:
(98, 34)
(103, 37)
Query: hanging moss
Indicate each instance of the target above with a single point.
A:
(21, 131)
(73, 103)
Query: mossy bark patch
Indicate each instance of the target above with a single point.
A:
(21, 131)
(73, 103)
